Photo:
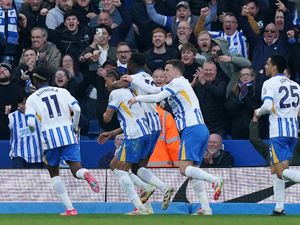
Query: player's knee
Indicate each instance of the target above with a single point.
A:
(74, 173)
(279, 175)
(182, 171)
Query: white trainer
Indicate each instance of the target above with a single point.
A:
(203, 212)
(167, 198)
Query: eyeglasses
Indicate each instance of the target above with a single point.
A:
(121, 52)
(270, 31)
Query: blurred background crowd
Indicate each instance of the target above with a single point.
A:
(224, 45)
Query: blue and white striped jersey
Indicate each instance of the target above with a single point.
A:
(184, 103)
(149, 108)
(285, 96)
(132, 120)
(53, 106)
(23, 143)
(236, 42)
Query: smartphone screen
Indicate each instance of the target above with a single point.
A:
(99, 31)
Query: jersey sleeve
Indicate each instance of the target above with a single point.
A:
(114, 100)
(72, 102)
(267, 91)
(30, 112)
(10, 120)
(145, 83)
(173, 87)
(154, 98)
(74, 107)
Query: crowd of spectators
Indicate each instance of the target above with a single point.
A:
(224, 45)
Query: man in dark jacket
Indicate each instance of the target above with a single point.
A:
(70, 37)
(8, 100)
(210, 91)
(215, 156)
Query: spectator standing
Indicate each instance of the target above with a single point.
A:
(184, 34)
(55, 16)
(70, 37)
(123, 56)
(99, 50)
(8, 101)
(241, 103)
(183, 13)
(210, 91)
(32, 14)
(85, 11)
(236, 39)
(9, 30)
(118, 31)
(160, 53)
(45, 50)
(188, 53)
(228, 64)
(204, 47)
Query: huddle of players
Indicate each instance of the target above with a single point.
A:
(54, 114)
(141, 127)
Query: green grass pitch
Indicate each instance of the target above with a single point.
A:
(92, 219)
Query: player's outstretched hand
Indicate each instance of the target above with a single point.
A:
(103, 137)
(126, 78)
(131, 102)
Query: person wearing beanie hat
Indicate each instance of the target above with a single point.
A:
(70, 13)
(9, 98)
(6, 66)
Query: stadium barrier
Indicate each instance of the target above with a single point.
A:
(97, 156)
(246, 191)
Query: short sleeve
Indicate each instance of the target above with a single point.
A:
(173, 87)
(267, 91)
(30, 110)
(114, 100)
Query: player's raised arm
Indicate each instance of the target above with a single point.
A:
(154, 97)
(144, 84)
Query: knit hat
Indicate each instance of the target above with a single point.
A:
(70, 13)
(6, 66)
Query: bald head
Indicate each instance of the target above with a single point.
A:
(214, 143)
